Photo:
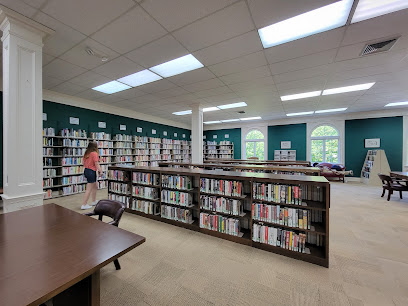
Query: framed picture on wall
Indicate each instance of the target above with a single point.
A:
(74, 120)
(286, 144)
(139, 130)
(122, 127)
(372, 143)
(44, 116)
(102, 125)
(164, 133)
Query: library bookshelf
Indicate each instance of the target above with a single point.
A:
(375, 162)
(223, 150)
(291, 170)
(63, 157)
(301, 163)
(284, 214)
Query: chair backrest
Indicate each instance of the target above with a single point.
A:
(385, 179)
(110, 208)
(253, 157)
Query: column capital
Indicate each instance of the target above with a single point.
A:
(196, 107)
(19, 25)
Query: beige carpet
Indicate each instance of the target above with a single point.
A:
(368, 261)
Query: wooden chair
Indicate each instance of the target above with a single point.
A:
(112, 209)
(392, 184)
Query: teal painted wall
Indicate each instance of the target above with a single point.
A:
(234, 137)
(58, 118)
(389, 130)
(296, 133)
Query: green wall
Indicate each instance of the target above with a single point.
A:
(234, 137)
(389, 130)
(296, 133)
(58, 118)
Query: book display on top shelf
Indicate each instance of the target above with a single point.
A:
(375, 162)
(223, 150)
(63, 156)
(285, 155)
(284, 214)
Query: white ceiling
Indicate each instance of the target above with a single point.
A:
(222, 34)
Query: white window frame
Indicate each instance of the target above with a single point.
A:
(324, 138)
(245, 140)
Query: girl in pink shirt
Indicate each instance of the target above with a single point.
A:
(92, 168)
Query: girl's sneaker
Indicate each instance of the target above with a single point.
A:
(86, 206)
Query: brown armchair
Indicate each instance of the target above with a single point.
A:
(112, 209)
(392, 184)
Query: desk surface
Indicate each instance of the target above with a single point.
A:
(403, 175)
(46, 249)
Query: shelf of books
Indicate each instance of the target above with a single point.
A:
(63, 157)
(375, 162)
(284, 214)
(223, 150)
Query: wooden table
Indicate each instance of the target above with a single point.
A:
(50, 251)
(400, 175)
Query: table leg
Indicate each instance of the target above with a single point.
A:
(96, 289)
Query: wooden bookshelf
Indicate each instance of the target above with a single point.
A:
(222, 150)
(208, 198)
(260, 162)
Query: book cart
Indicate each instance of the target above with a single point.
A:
(284, 214)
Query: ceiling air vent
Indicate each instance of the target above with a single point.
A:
(378, 47)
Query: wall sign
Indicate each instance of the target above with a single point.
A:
(286, 144)
(73, 120)
(175, 134)
(122, 127)
(215, 136)
(372, 143)
(102, 124)
(44, 116)
(226, 136)
(184, 135)
(204, 137)
(164, 133)
(154, 132)
(139, 129)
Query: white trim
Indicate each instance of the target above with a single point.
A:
(246, 130)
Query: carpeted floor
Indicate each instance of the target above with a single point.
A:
(368, 261)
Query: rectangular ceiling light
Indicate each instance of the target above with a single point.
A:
(232, 105)
(301, 95)
(111, 87)
(186, 112)
(177, 66)
(338, 90)
(367, 9)
(299, 114)
(250, 118)
(397, 104)
(317, 21)
(229, 120)
(140, 78)
(212, 122)
(210, 109)
(331, 110)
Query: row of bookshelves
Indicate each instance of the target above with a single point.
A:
(238, 207)
(222, 150)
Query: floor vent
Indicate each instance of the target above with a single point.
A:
(378, 47)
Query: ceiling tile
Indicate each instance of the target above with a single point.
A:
(317, 83)
(46, 59)
(130, 31)
(49, 82)
(305, 46)
(176, 91)
(177, 13)
(267, 12)
(64, 37)
(90, 94)
(80, 57)
(304, 62)
(69, 88)
(158, 52)
(251, 74)
(62, 70)
(253, 84)
(227, 23)
(239, 64)
(87, 16)
(118, 68)
(156, 86)
(302, 74)
(130, 93)
(108, 99)
(233, 48)
(194, 76)
(35, 3)
(145, 99)
(212, 92)
(203, 85)
(20, 7)
(90, 79)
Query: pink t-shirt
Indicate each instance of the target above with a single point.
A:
(91, 161)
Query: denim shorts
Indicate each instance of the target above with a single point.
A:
(90, 175)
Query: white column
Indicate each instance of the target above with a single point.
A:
(197, 134)
(22, 110)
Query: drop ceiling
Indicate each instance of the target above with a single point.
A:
(221, 34)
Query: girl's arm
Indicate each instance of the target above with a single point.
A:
(98, 167)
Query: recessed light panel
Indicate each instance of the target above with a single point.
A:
(229, 120)
(299, 114)
(319, 20)
(181, 113)
(301, 95)
(177, 66)
(210, 109)
(111, 87)
(232, 105)
(367, 9)
(396, 104)
(140, 78)
(212, 122)
(250, 118)
(338, 90)
(333, 110)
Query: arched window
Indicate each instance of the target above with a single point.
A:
(255, 144)
(325, 145)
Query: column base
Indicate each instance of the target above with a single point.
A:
(16, 203)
